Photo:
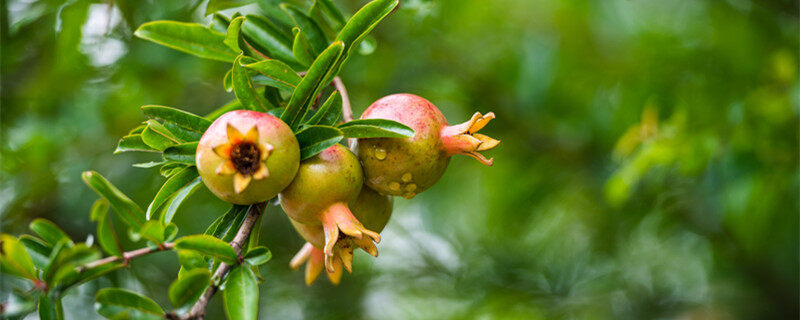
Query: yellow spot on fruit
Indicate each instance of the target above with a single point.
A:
(394, 186)
(406, 177)
(411, 187)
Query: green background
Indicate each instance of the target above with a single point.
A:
(648, 169)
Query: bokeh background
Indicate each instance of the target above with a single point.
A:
(649, 164)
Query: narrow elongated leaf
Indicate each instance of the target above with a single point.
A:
(227, 81)
(331, 11)
(309, 27)
(189, 287)
(133, 143)
(128, 211)
(170, 168)
(209, 246)
(330, 111)
(159, 137)
(178, 198)
(245, 89)
(362, 22)
(267, 38)
(152, 230)
(183, 153)
(219, 23)
(241, 294)
(181, 133)
(84, 276)
(191, 260)
(217, 5)
(48, 231)
(314, 139)
(375, 128)
(64, 261)
(257, 256)
(186, 120)
(172, 186)
(149, 164)
(312, 83)
(47, 309)
(232, 36)
(106, 236)
(128, 300)
(302, 48)
(14, 259)
(274, 73)
(192, 38)
(38, 250)
(222, 223)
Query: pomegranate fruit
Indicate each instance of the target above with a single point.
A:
(319, 196)
(371, 208)
(408, 166)
(247, 157)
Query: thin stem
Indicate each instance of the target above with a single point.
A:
(198, 311)
(347, 112)
(126, 256)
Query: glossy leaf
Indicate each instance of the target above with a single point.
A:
(153, 230)
(274, 73)
(191, 259)
(133, 143)
(330, 10)
(189, 287)
(192, 38)
(170, 168)
(48, 308)
(375, 128)
(263, 35)
(232, 35)
(106, 236)
(14, 259)
(128, 211)
(330, 111)
(209, 246)
(258, 255)
(86, 275)
(178, 198)
(245, 89)
(149, 164)
(172, 186)
(308, 26)
(38, 250)
(219, 23)
(302, 49)
(227, 82)
(127, 300)
(48, 231)
(183, 153)
(65, 259)
(159, 137)
(314, 139)
(217, 5)
(241, 294)
(319, 72)
(183, 119)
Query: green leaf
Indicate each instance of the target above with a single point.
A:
(245, 89)
(258, 256)
(170, 168)
(375, 128)
(14, 259)
(241, 294)
(302, 49)
(192, 38)
(267, 38)
(48, 231)
(189, 287)
(362, 23)
(330, 111)
(133, 143)
(219, 23)
(149, 164)
(308, 88)
(209, 246)
(38, 250)
(178, 199)
(222, 223)
(172, 186)
(217, 5)
(48, 309)
(227, 82)
(183, 119)
(274, 73)
(314, 139)
(106, 236)
(128, 211)
(331, 11)
(153, 230)
(65, 259)
(183, 153)
(191, 260)
(92, 273)
(159, 137)
(309, 27)
(127, 300)
(232, 36)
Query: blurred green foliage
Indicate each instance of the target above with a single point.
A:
(649, 164)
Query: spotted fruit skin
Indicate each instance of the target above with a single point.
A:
(407, 166)
(281, 163)
(332, 176)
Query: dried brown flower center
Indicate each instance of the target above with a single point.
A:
(245, 157)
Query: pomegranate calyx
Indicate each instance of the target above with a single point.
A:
(463, 138)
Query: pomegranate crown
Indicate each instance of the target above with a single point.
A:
(463, 138)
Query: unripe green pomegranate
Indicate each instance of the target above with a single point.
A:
(247, 157)
(319, 196)
(408, 166)
(371, 208)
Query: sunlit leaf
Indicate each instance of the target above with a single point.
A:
(48, 231)
(191, 38)
(209, 246)
(319, 72)
(186, 120)
(183, 153)
(128, 211)
(257, 256)
(241, 294)
(232, 35)
(128, 300)
(314, 139)
(217, 5)
(133, 142)
(274, 73)
(302, 48)
(375, 128)
(245, 89)
(14, 259)
(38, 250)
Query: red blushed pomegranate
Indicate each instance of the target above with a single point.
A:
(319, 196)
(371, 208)
(247, 157)
(408, 166)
